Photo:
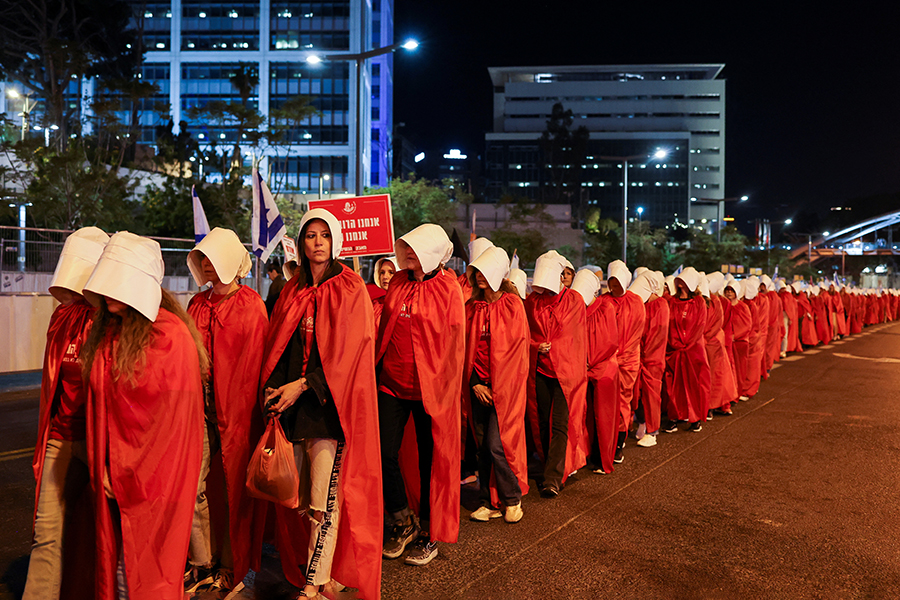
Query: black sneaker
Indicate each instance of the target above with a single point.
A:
(619, 457)
(196, 578)
(709, 415)
(422, 551)
(401, 535)
(695, 427)
(549, 491)
(671, 426)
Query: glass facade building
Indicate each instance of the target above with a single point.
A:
(194, 47)
(629, 111)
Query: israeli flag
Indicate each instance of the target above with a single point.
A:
(201, 225)
(266, 225)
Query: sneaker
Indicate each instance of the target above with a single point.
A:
(484, 514)
(599, 471)
(641, 431)
(783, 355)
(422, 551)
(401, 535)
(709, 415)
(723, 412)
(513, 513)
(197, 577)
(744, 398)
(695, 427)
(648, 441)
(619, 458)
(671, 427)
(223, 580)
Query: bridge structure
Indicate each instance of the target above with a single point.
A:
(851, 241)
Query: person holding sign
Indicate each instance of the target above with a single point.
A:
(319, 377)
(421, 344)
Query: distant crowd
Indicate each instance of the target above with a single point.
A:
(158, 423)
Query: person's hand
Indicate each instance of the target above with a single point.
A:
(107, 485)
(281, 399)
(484, 395)
(544, 347)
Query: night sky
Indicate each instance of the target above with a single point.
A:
(812, 93)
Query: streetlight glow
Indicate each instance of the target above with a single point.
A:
(744, 198)
(12, 93)
(411, 44)
(660, 153)
(314, 59)
(788, 221)
(826, 233)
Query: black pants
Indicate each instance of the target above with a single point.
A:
(393, 414)
(492, 455)
(553, 420)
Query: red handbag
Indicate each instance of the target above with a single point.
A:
(271, 473)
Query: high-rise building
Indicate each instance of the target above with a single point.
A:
(194, 47)
(629, 111)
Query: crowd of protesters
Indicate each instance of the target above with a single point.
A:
(149, 413)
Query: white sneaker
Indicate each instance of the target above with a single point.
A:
(484, 514)
(648, 441)
(744, 398)
(641, 431)
(513, 513)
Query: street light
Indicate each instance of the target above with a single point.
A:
(660, 153)
(720, 211)
(788, 221)
(640, 212)
(21, 206)
(323, 178)
(360, 60)
(15, 95)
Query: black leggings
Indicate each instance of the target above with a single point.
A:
(553, 420)
(393, 414)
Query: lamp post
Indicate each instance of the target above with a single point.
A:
(322, 178)
(720, 211)
(624, 160)
(21, 206)
(640, 212)
(14, 94)
(360, 60)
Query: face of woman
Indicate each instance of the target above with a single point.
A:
(115, 307)
(480, 280)
(729, 293)
(317, 242)
(615, 288)
(209, 270)
(568, 275)
(385, 272)
(412, 261)
(681, 289)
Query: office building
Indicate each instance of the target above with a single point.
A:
(629, 111)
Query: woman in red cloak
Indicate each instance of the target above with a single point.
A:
(737, 328)
(144, 363)
(557, 377)
(420, 351)
(820, 311)
(319, 376)
(232, 319)
(601, 344)
(792, 330)
(653, 356)
(60, 459)
(385, 268)
(758, 316)
(496, 365)
(723, 388)
(687, 368)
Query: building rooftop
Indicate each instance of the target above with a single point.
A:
(500, 76)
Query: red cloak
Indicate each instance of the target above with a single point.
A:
(807, 320)
(723, 388)
(687, 368)
(762, 314)
(789, 302)
(737, 331)
(757, 344)
(630, 318)
(509, 368)
(439, 346)
(149, 435)
(775, 333)
(69, 324)
(560, 320)
(840, 314)
(344, 336)
(602, 344)
(233, 332)
(653, 360)
(820, 312)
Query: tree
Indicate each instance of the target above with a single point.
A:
(602, 239)
(46, 44)
(563, 152)
(417, 201)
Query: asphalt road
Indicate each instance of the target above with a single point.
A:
(795, 496)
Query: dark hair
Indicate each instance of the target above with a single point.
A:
(506, 287)
(303, 270)
(274, 265)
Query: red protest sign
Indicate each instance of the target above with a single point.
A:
(366, 222)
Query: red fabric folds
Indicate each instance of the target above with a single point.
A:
(737, 333)
(439, 346)
(630, 319)
(758, 315)
(807, 321)
(775, 331)
(687, 368)
(602, 344)
(653, 360)
(723, 388)
(233, 332)
(344, 335)
(149, 432)
(559, 319)
(509, 368)
(789, 302)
